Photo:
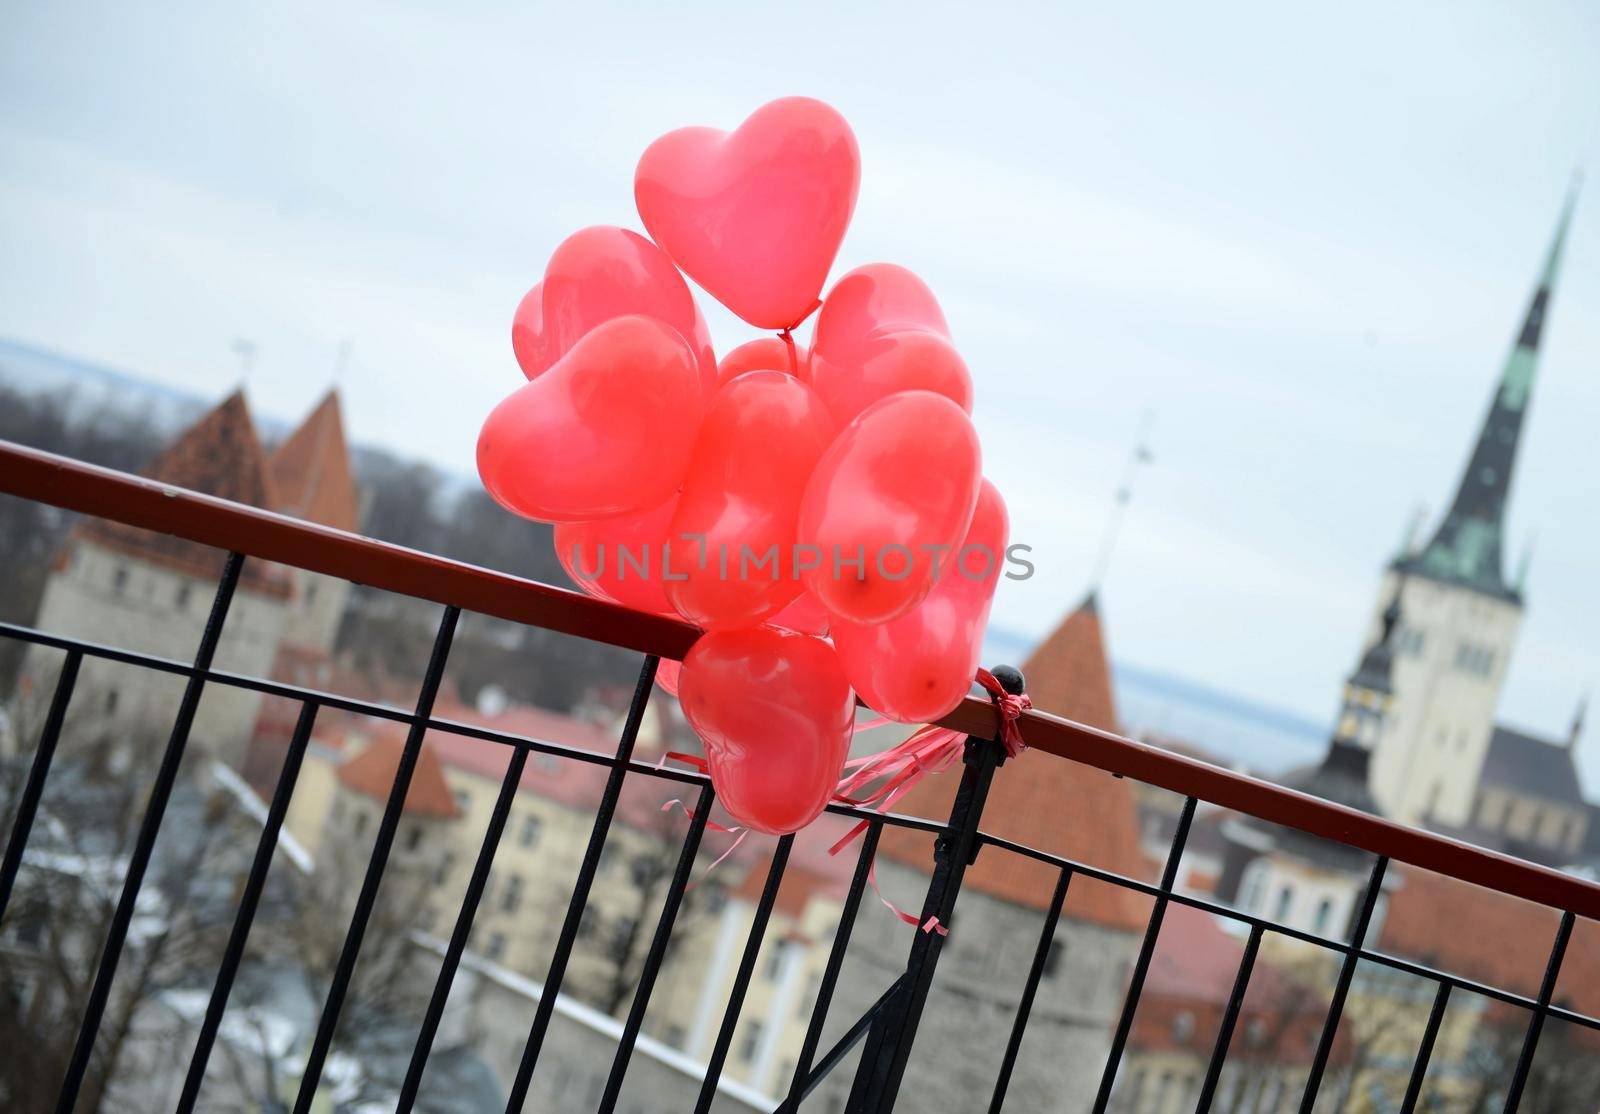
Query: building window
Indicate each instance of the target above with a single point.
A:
(808, 1000)
(414, 837)
(463, 800)
(775, 961)
(1052, 958)
(445, 864)
(1183, 1027)
(530, 831)
(119, 579)
(496, 946)
(181, 601)
(361, 823)
(1324, 913)
(111, 701)
(1136, 1091)
(1250, 887)
(1474, 659)
(511, 897)
(1285, 899)
(1164, 1091)
(750, 1047)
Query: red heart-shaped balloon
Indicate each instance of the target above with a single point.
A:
(894, 491)
(758, 444)
(805, 615)
(755, 215)
(607, 430)
(765, 354)
(595, 275)
(916, 668)
(881, 331)
(776, 715)
(626, 558)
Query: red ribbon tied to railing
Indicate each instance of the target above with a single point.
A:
(929, 750)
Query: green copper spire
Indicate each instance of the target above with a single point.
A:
(1468, 545)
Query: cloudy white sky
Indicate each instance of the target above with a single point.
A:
(1302, 237)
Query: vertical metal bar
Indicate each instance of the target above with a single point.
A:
(1419, 1068)
(1547, 990)
(1341, 987)
(248, 901)
(145, 842)
(888, 1047)
(581, 886)
(1147, 950)
(33, 790)
(741, 980)
(1041, 953)
(657, 953)
(1230, 1018)
(830, 973)
(367, 898)
(463, 929)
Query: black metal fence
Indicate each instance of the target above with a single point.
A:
(885, 1032)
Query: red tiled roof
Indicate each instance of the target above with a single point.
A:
(1047, 802)
(311, 473)
(1193, 971)
(218, 455)
(1490, 937)
(372, 773)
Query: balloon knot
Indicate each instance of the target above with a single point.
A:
(1010, 704)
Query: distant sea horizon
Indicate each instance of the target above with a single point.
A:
(1231, 728)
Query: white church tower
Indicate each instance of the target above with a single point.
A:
(1461, 616)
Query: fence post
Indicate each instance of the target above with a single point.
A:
(888, 1043)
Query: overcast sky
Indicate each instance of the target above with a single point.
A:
(1303, 237)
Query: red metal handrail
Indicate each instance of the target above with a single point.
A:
(147, 504)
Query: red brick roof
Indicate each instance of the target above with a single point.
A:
(218, 455)
(1488, 936)
(372, 773)
(1192, 973)
(311, 473)
(1047, 802)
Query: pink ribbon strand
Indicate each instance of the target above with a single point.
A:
(929, 750)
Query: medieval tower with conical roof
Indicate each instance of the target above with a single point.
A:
(1461, 613)
(152, 592)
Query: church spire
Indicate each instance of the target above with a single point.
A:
(1468, 545)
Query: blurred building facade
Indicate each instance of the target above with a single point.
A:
(130, 588)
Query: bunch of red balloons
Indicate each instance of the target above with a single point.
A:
(820, 513)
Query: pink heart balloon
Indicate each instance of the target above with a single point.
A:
(756, 215)
(881, 331)
(625, 558)
(916, 668)
(761, 438)
(606, 431)
(805, 616)
(597, 274)
(765, 354)
(896, 485)
(776, 716)
(667, 674)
